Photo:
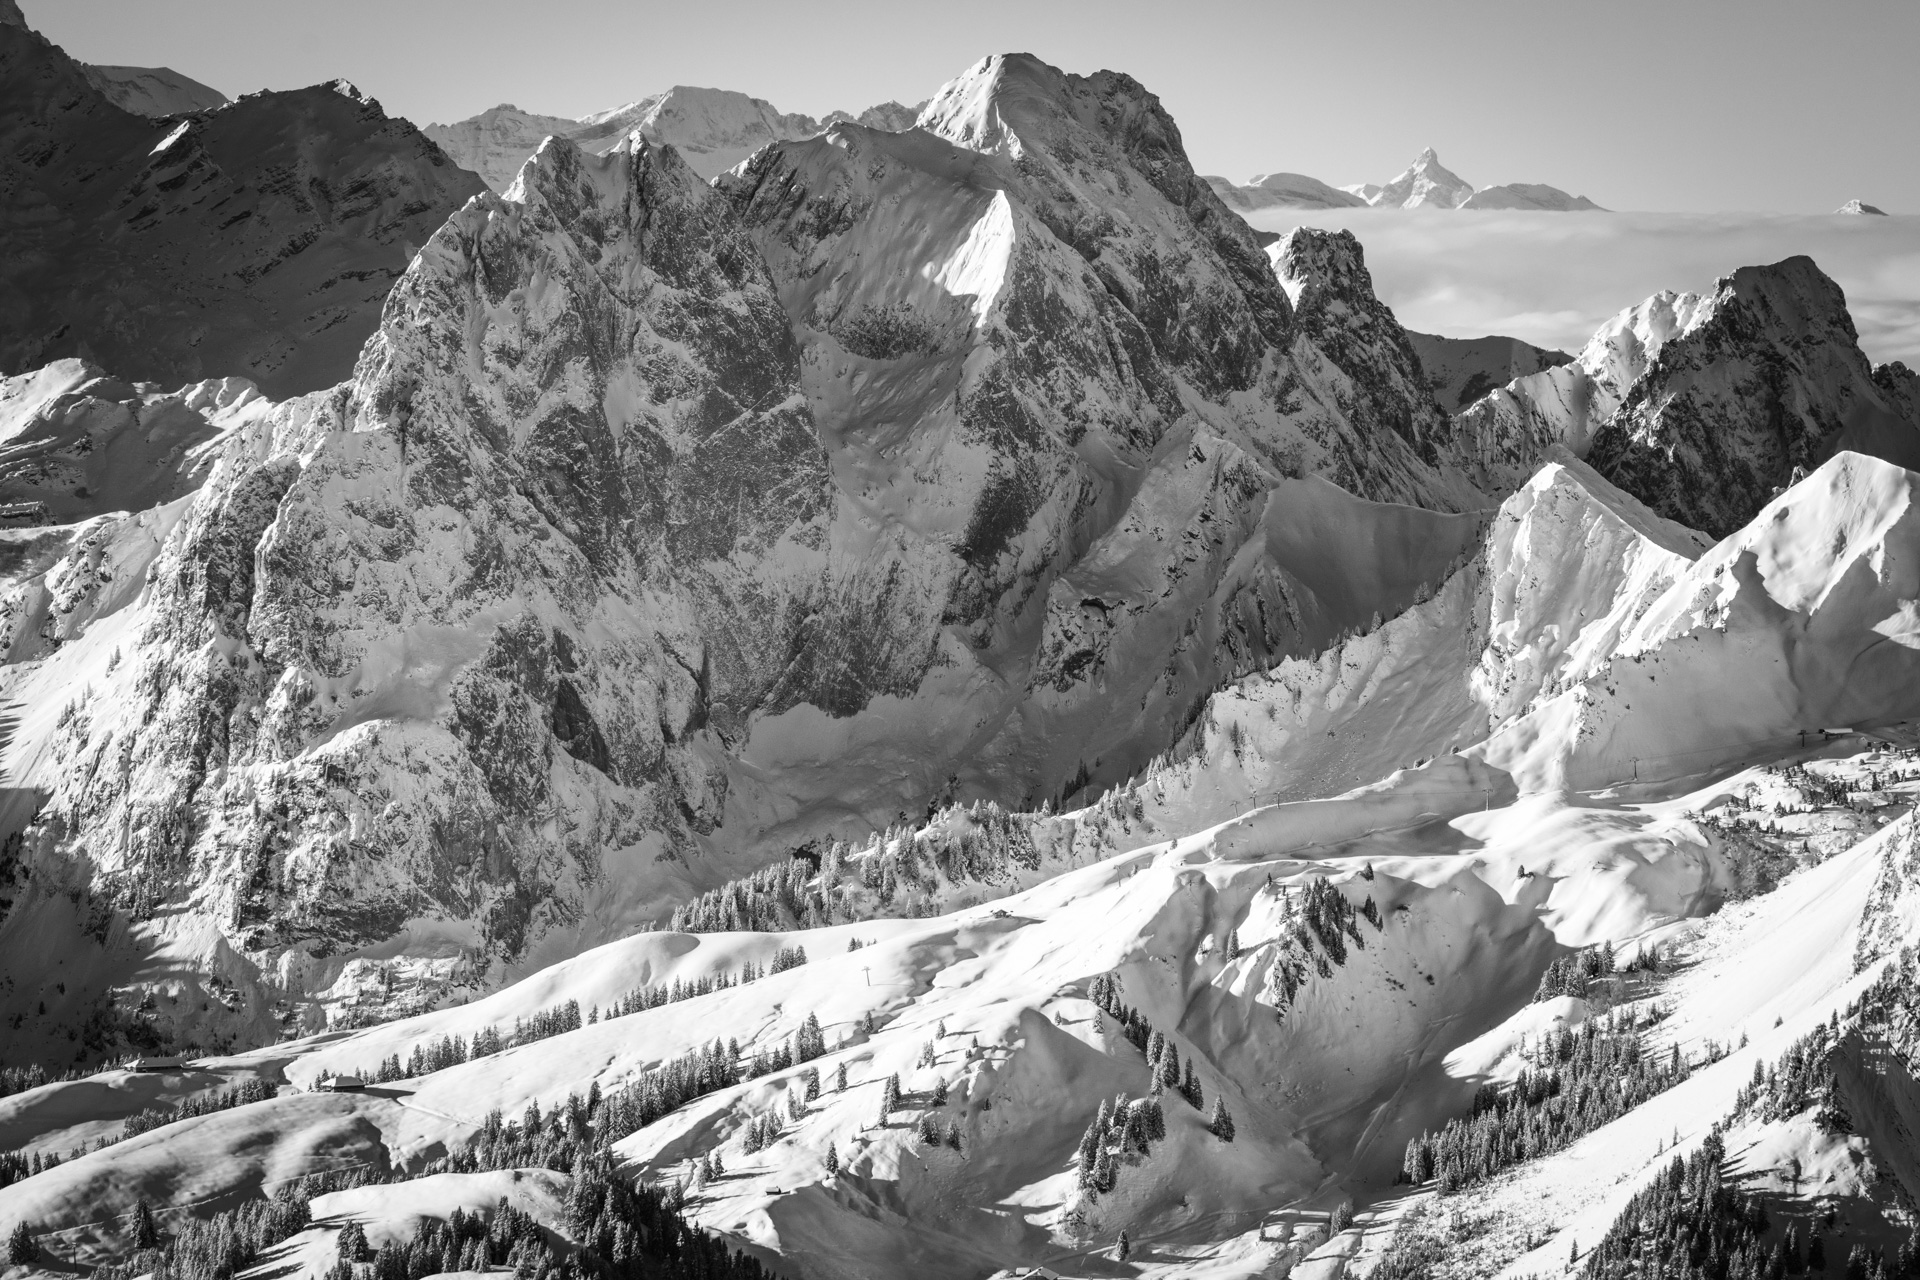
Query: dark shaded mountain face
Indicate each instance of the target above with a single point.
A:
(1704, 406)
(259, 239)
(1461, 370)
(1771, 382)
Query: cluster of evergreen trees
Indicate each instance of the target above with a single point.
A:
(1689, 1225)
(202, 1105)
(33, 1075)
(1580, 1081)
(980, 842)
(1325, 915)
(213, 1248)
(619, 1230)
(1119, 1130)
(1163, 1057)
(1104, 992)
(1802, 1078)
(17, 1166)
(1570, 975)
(1163, 1060)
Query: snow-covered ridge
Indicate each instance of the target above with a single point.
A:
(713, 129)
(1425, 184)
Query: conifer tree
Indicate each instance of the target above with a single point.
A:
(1233, 944)
(840, 1078)
(889, 1097)
(1123, 1249)
(145, 1234)
(1816, 1254)
(21, 1248)
(1222, 1123)
(833, 1161)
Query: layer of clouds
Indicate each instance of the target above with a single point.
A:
(1552, 278)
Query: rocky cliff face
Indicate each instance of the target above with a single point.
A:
(258, 240)
(664, 527)
(1704, 406)
(1768, 381)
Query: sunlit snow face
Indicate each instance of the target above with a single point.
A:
(1553, 278)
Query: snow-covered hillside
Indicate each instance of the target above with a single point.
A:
(712, 129)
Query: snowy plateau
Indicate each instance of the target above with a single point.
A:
(698, 692)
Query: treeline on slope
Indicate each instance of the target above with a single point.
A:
(1580, 1080)
(619, 1230)
(431, 1055)
(1689, 1225)
(247, 1091)
(15, 1165)
(901, 870)
(980, 843)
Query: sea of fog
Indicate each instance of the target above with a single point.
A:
(1552, 278)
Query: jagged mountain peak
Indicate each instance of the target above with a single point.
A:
(1008, 98)
(10, 14)
(1859, 206)
(1425, 182)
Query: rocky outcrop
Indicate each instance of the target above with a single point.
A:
(1766, 383)
(1703, 406)
(258, 240)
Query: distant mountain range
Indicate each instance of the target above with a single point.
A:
(1424, 184)
(713, 129)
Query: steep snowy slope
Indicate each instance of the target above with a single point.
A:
(152, 91)
(1704, 406)
(257, 240)
(1462, 370)
(713, 129)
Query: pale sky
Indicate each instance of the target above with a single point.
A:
(1690, 105)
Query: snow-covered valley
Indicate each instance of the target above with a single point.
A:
(931, 693)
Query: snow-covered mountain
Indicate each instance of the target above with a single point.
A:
(1858, 206)
(712, 129)
(897, 535)
(259, 239)
(1705, 405)
(1278, 825)
(1425, 184)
